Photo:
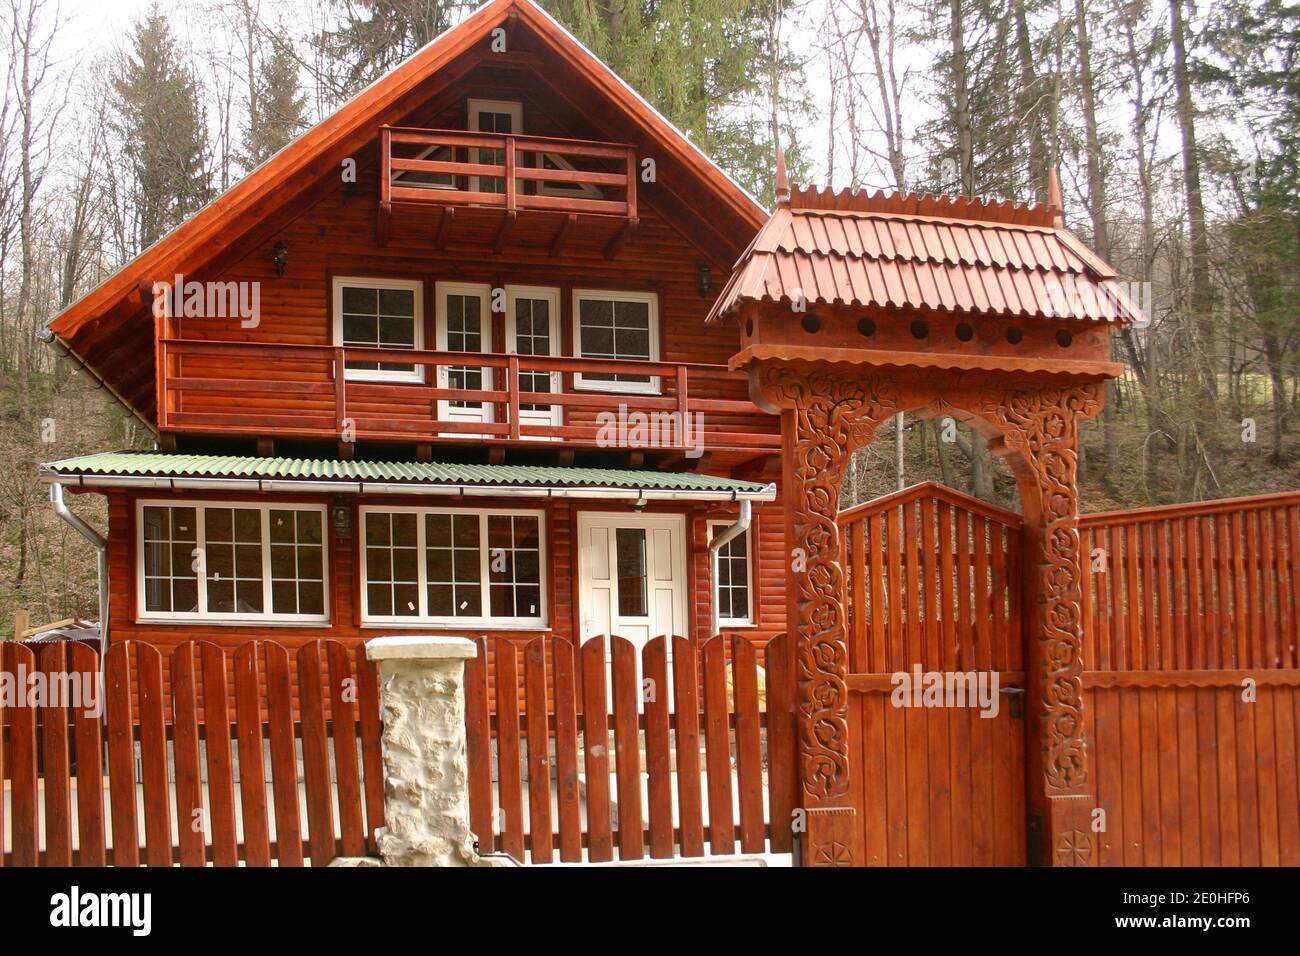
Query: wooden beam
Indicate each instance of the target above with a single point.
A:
(444, 226)
(424, 452)
(497, 455)
(629, 227)
(503, 233)
(347, 450)
(266, 448)
(561, 234)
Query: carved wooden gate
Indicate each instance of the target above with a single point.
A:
(934, 586)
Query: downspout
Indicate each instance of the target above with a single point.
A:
(730, 533)
(101, 549)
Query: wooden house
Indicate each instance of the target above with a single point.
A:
(442, 364)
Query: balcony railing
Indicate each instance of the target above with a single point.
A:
(267, 390)
(458, 168)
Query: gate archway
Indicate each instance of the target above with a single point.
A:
(936, 679)
(853, 308)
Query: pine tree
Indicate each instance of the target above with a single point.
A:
(279, 111)
(377, 35)
(158, 119)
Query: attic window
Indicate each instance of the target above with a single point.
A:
(507, 117)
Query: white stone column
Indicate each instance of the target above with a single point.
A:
(426, 778)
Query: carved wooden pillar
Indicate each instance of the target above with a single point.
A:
(825, 415)
(1040, 424)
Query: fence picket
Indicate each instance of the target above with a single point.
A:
(153, 757)
(284, 756)
(749, 753)
(509, 754)
(51, 659)
(566, 750)
(539, 751)
(595, 732)
(315, 755)
(252, 779)
(627, 749)
(372, 765)
(88, 741)
(221, 778)
(478, 750)
(190, 821)
(717, 743)
(121, 757)
(658, 749)
(686, 720)
(25, 782)
(342, 698)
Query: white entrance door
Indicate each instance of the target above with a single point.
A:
(464, 325)
(631, 575)
(533, 328)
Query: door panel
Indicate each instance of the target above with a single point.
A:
(631, 571)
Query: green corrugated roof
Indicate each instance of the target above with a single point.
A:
(162, 465)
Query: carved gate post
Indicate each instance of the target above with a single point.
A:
(824, 416)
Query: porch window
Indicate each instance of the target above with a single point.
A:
(454, 566)
(616, 325)
(733, 588)
(232, 562)
(379, 314)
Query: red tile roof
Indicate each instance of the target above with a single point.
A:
(925, 252)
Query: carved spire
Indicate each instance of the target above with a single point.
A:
(1054, 202)
(782, 179)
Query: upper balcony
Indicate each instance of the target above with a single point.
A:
(262, 390)
(501, 176)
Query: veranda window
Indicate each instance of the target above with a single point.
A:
(232, 562)
(379, 314)
(616, 325)
(445, 566)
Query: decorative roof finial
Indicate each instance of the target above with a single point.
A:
(782, 178)
(1054, 202)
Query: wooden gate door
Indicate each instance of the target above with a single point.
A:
(938, 757)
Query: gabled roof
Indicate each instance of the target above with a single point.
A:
(925, 252)
(161, 470)
(270, 189)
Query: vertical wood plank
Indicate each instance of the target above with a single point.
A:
(221, 785)
(658, 750)
(372, 763)
(539, 751)
(21, 758)
(722, 835)
(780, 742)
(509, 771)
(686, 721)
(52, 660)
(284, 757)
(749, 758)
(595, 732)
(88, 738)
(252, 772)
(315, 755)
(121, 757)
(153, 758)
(191, 823)
(627, 750)
(566, 749)
(343, 720)
(478, 748)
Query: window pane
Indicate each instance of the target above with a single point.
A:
(377, 317)
(297, 564)
(171, 583)
(630, 552)
(391, 570)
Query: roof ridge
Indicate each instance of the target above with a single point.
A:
(893, 202)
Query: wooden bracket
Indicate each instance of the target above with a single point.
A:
(384, 223)
(629, 227)
(503, 233)
(561, 234)
(445, 222)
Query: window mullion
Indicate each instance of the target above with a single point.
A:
(267, 609)
(485, 569)
(200, 542)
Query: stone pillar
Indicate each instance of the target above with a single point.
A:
(426, 781)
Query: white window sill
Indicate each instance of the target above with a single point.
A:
(236, 622)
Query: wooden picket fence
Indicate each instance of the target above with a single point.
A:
(540, 719)
(187, 769)
(1192, 686)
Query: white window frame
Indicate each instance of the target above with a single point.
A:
(366, 282)
(713, 528)
(423, 618)
(202, 615)
(651, 387)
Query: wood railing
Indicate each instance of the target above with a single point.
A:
(457, 178)
(305, 391)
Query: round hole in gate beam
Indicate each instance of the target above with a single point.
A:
(965, 332)
(749, 328)
(811, 324)
(1015, 335)
(1064, 339)
(920, 329)
(867, 327)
